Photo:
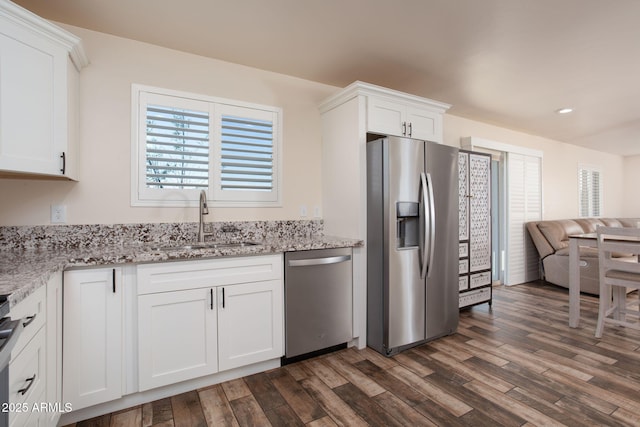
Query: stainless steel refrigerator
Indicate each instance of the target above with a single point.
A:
(412, 243)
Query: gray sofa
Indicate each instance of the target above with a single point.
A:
(551, 239)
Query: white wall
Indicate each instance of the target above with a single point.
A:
(630, 187)
(102, 194)
(559, 167)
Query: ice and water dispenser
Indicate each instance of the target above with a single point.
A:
(407, 224)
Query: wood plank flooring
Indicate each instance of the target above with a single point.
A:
(515, 364)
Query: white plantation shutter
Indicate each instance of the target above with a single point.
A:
(524, 199)
(184, 143)
(246, 154)
(177, 148)
(589, 191)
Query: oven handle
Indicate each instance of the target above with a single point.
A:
(319, 261)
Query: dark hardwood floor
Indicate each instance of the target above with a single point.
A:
(517, 364)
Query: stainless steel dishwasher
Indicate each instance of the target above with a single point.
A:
(318, 293)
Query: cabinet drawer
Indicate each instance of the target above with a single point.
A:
(26, 375)
(463, 266)
(463, 283)
(480, 279)
(33, 312)
(176, 276)
(463, 250)
(474, 297)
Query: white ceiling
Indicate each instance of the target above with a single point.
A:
(511, 63)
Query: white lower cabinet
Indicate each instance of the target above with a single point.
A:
(92, 336)
(27, 379)
(28, 369)
(199, 317)
(176, 336)
(250, 323)
(137, 328)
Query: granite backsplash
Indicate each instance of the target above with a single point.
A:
(78, 236)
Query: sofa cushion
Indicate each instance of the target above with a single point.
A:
(629, 222)
(589, 225)
(611, 222)
(557, 232)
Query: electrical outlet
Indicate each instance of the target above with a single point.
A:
(58, 214)
(303, 211)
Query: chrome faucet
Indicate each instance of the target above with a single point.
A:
(204, 210)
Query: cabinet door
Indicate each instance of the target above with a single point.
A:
(401, 119)
(385, 117)
(250, 319)
(423, 124)
(177, 338)
(92, 336)
(33, 101)
(479, 212)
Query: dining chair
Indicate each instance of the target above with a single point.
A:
(618, 251)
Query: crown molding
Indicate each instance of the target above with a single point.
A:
(46, 29)
(359, 88)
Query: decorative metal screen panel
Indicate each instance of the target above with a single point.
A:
(463, 193)
(480, 211)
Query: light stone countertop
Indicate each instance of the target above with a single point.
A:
(24, 271)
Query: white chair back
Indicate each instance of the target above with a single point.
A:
(618, 254)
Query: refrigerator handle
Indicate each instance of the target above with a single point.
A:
(424, 226)
(432, 223)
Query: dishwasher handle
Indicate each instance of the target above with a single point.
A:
(319, 261)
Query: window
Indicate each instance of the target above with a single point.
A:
(589, 191)
(184, 143)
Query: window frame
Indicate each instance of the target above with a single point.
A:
(590, 203)
(141, 95)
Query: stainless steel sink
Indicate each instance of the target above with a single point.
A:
(204, 245)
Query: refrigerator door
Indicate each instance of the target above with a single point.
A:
(441, 297)
(405, 287)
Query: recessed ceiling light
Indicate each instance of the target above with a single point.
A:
(565, 110)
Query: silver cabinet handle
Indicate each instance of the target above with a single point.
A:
(319, 261)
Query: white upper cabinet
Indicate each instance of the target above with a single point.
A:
(400, 119)
(39, 67)
(388, 112)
